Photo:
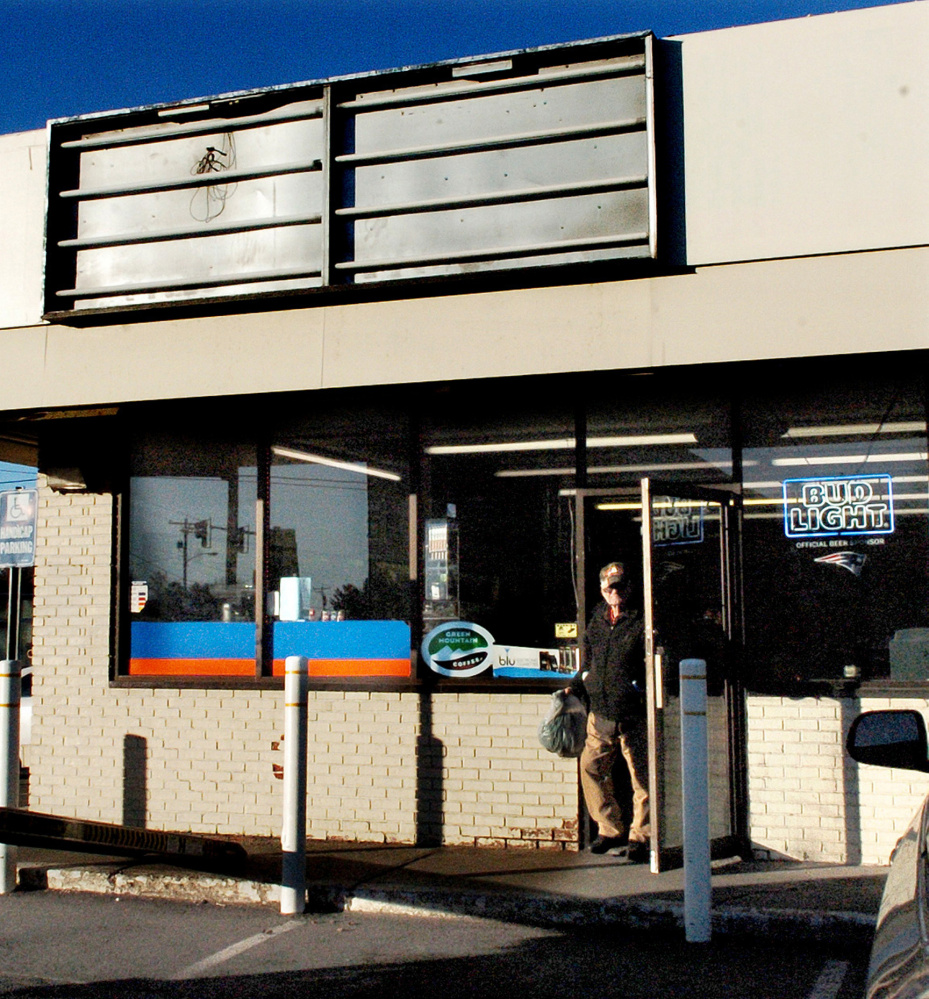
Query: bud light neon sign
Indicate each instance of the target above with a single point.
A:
(840, 506)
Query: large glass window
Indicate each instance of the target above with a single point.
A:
(498, 531)
(339, 556)
(658, 426)
(335, 545)
(671, 430)
(191, 558)
(835, 552)
(835, 548)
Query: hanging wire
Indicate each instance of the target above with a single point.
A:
(206, 203)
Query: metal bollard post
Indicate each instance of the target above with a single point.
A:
(695, 779)
(10, 692)
(293, 837)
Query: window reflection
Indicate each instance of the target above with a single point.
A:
(192, 542)
(192, 531)
(835, 494)
(338, 546)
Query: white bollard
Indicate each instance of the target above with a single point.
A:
(293, 837)
(696, 794)
(10, 692)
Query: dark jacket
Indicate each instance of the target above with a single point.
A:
(614, 659)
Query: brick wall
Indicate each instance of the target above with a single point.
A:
(807, 799)
(383, 767)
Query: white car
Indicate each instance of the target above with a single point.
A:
(899, 964)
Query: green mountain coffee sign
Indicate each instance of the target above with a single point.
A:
(458, 648)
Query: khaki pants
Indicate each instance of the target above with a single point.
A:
(605, 739)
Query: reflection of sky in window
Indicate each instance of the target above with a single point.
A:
(157, 501)
(328, 510)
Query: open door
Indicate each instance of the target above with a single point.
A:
(690, 611)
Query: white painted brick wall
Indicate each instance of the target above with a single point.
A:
(481, 778)
(807, 799)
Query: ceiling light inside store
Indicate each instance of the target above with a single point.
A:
(681, 466)
(347, 466)
(562, 444)
(851, 459)
(778, 484)
(659, 505)
(849, 429)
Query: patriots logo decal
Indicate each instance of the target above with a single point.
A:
(853, 561)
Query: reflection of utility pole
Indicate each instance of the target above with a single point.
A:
(201, 529)
(322, 592)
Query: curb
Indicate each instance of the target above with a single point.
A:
(552, 912)
(531, 909)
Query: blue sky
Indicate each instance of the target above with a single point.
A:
(67, 57)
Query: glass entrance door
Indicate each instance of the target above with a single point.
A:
(690, 613)
(678, 545)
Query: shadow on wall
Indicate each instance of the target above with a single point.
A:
(850, 709)
(672, 233)
(135, 781)
(430, 814)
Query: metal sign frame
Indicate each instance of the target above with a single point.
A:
(509, 161)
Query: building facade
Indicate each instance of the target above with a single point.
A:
(379, 371)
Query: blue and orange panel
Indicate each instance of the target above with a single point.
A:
(217, 648)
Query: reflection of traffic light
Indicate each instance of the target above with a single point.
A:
(202, 531)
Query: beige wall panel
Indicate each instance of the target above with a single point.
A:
(807, 136)
(22, 218)
(855, 303)
(814, 306)
(62, 366)
(471, 336)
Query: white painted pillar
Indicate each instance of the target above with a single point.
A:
(10, 693)
(696, 795)
(293, 837)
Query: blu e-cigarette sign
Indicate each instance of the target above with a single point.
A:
(839, 506)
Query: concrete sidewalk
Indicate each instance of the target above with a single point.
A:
(773, 899)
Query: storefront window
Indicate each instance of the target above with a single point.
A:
(498, 592)
(656, 426)
(339, 562)
(191, 559)
(836, 528)
(675, 432)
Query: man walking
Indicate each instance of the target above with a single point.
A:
(614, 661)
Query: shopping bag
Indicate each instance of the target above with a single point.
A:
(564, 729)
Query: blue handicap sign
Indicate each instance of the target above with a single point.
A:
(17, 528)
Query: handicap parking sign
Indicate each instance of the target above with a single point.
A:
(17, 528)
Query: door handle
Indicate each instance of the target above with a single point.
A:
(659, 679)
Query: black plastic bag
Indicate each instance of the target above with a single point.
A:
(564, 729)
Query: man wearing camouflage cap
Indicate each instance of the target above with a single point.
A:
(612, 677)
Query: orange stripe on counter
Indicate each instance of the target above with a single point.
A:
(191, 667)
(351, 667)
(246, 667)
